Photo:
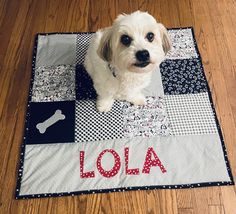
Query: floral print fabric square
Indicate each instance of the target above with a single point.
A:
(183, 76)
(183, 46)
(146, 121)
(54, 83)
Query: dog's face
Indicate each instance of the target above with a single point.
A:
(134, 43)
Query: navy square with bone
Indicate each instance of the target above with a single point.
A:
(51, 122)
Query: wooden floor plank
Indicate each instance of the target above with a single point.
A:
(216, 210)
(168, 201)
(185, 211)
(229, 199)
(153, 202)
(185, 198)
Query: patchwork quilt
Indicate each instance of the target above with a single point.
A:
(69, 148)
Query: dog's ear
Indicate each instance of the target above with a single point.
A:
(166, 43)
(104, 49)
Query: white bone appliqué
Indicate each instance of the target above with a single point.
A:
(42, 127)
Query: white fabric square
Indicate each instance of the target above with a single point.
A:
(91, 125)
(56, 49)
(146, 121)
(190, 114)
(155, 87)
(183, 46)
(54, 83)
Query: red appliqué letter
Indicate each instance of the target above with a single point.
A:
(83, 174)
(150, 163)
(116, 167)
(127, 170)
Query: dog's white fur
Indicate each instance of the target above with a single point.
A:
(106, 50)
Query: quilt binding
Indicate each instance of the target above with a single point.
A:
(178, 186)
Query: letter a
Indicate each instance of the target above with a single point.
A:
(149, 162)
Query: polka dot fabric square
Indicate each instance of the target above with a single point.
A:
(92, 125)
(82, 44)
(190, 114)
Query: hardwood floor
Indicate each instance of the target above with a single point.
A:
(214, 22)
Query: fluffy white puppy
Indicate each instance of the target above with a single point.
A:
(121, 58)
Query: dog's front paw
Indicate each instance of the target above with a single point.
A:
(104, 105)
(104, 108)
(139, 101)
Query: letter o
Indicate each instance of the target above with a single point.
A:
(116, 167)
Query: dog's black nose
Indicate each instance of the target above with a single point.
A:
(142, 56)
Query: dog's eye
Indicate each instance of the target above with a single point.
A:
(126, 40)
(150, 36)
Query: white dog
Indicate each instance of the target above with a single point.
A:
(121, 58)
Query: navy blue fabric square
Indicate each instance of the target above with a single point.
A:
(84, 84)
(183, 76)
(61, 131)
